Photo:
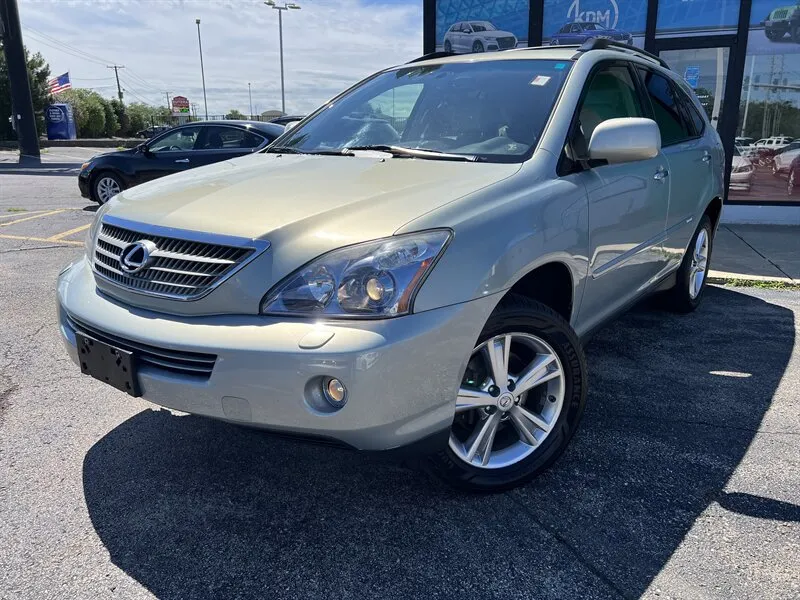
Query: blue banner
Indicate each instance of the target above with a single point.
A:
(492, 19)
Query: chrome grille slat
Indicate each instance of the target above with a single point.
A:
(176, 361)
(180, 268)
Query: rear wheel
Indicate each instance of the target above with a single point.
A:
(795, 32)
(692, 274)
(791, 183)
(448, 47)
(520, 400)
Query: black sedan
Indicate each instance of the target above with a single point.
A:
(181, 148)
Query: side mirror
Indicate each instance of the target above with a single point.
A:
(625, 140)
(289, 125)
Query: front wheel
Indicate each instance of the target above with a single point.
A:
(795, 33)
(448, 47)
(106, 186)
(477, 46)
(520, 399)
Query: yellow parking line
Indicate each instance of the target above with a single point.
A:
(61, 236)
(47, 214)
(16, 215)
(38, 239)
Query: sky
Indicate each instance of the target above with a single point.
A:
(328, 46)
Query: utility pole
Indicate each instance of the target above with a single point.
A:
(250, 94)
(166, 94)
(22, 114)
(116, 73)
(202, 70)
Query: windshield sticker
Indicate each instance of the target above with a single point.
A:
(559, 66)
(540, 80)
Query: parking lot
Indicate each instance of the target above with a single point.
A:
(683, 480)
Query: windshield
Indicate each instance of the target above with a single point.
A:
(593, 27)
(485, 26)
(492, 110)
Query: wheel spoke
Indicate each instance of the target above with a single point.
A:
(536, 420)
(536, 373)
(482, 439)
(468, 399)
(524, 429)
(498, 350)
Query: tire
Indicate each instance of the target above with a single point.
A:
(682, 298)
(773, 35)
(103, 186)
(448, 47)
(791, 183)
(565, 377)
(794, 33)
(477, 46)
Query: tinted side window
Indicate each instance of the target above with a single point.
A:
(666, 110)
(689, 109)
(229, 138)
(611, 95)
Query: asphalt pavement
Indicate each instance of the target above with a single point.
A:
(683, 480)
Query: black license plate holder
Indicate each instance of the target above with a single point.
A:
(106, 363)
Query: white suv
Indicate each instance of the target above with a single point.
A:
(477, 36)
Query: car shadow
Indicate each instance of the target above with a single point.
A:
(54, 169)
(190, 507)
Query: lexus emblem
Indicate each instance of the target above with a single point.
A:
(137, 256)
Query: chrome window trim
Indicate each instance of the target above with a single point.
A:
(258, 247)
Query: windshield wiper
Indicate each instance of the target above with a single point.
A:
(402, 151)
(290, 150)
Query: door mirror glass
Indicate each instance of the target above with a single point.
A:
(625, 140)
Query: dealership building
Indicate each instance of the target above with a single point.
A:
(742, 57)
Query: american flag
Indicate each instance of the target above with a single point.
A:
(59, 84)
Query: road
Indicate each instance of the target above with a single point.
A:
(683, 480)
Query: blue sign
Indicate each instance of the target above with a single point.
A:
(624, 16)
(481, 25)
(692, 76)
(60, 122)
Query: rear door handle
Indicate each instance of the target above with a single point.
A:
(182, 160)
(706, 158)
(661, 175)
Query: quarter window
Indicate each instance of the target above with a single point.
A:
(666, 109)
(611, 95)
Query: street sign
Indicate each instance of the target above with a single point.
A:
(692, 76)
(180, 105)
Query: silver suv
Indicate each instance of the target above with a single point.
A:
(415, 264)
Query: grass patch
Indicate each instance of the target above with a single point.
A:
(120, 147)
(13, 210)
(762, 285)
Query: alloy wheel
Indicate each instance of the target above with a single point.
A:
(697, 273)
(790, 184)
(107, 187)
(509, 401)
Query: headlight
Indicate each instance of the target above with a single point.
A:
(374, 280)
(92, 233)
(86, 165)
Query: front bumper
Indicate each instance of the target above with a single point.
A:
(402, 374)
(83, 184)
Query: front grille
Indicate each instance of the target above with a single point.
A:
(181, 269)
(506, 42)
(175, 361)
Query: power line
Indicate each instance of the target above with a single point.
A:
(67, 47)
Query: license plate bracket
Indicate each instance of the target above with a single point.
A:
(114, 366)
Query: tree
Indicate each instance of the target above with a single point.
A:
(38, 75)
(235, 114)
(121, 114)
(112, 125)
(89, 109)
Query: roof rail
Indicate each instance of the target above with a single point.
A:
(606, 44)
(431, 56)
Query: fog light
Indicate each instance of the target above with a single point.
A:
(334, 392)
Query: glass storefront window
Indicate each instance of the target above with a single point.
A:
(705, 71)
(575, 21)
(766, 165)
(682, 18)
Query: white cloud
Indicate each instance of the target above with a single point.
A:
(328, 46)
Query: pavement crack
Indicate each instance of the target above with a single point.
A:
(749, 245)
(554, 533)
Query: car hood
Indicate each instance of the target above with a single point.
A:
(740, 161)
(128, 152)
(345, 199)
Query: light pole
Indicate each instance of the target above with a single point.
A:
(202, 70)
(280, 9)
(250, 95)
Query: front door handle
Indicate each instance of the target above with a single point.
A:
(661, 174)
(182, 160)
(706, 158)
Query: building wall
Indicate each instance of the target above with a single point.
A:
(742, 57)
